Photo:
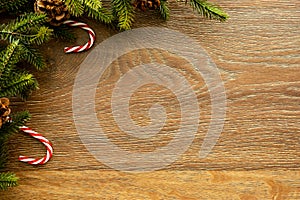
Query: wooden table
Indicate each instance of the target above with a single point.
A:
(257, 52)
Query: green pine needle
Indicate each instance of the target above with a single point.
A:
(12, 5)
(124, 12)
(8, 129)
(94, 4)
(8, 57)
(12, 81)
(18, 83)
(101, 14)
(28, 28)
(8, 179)
(208, 10)
(75, 7)
(40, 35)
(164, 10)
(33, 57)
(27, 22)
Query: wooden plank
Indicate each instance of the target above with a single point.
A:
(185, 185)
(258, 54)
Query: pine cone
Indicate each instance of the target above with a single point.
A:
(4, 110)
(56, 10)
(146, 4)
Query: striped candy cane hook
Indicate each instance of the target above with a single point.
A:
(47, 143)
(83, 26)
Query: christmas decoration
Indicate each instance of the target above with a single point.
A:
(20, 38)
(90, 31)
(36, 161)
(8, 179)
(56, 10)
(4, 110)
(146, 4)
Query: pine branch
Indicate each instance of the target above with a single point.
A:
(75, 7)
(12, 6)
(164, 10)
(12, 81)
(28, 29)
(43, 34)
(39, 36)
(17, 83)
(8, 129)
(18, 119)
(93, 4)
(16, 52)
(208, 10)
(33, 57)
(8, 179)
(9, 57)
(102, 14)
(27, 22)
(124, 12)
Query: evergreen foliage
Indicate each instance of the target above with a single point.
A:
(121, 12)
(93, 9)
(8, 179)
(20, 38)
(29, 30)
(208, 10)
(13, 5)
(13, 81)
(164, 10)
(124, 13)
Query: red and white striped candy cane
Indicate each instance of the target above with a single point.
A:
(47, 143)
(88, 45)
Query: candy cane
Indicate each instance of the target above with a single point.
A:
(88, 45)
(36, 161)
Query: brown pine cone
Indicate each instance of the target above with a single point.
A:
(56, 10)
(146, 4)
(4, 110)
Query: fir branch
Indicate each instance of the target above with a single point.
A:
(93, 4)
(93, 8)
(27, 22)
(124, 12)
(164, 10)
(75, 7)
(208, 10)
(12, 6)
(102, 14)
(17, 83)
(39, 36)
(33, 57)
(7, 130)
(8, 179)
(16, 52)
(28, 29)
(18, 119)
(8, 57)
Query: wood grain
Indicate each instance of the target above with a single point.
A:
(185, 185)
(257, 156)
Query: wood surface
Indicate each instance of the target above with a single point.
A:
(257, 52)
